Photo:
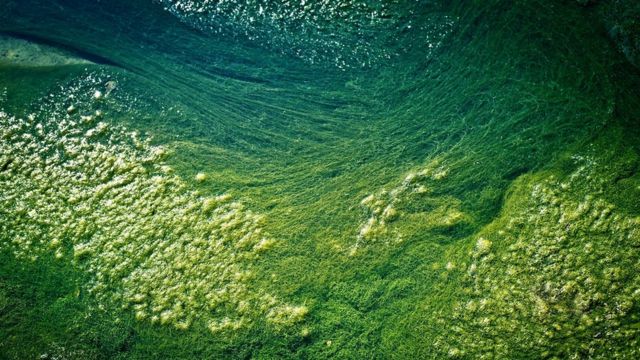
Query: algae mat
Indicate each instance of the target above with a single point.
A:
(335, 179)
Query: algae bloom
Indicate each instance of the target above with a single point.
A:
(336, 179)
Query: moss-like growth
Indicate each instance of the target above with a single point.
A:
(556, 272)
(99, 197)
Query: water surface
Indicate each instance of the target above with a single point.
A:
(330, 179)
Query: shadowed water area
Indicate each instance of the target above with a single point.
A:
(328, 179)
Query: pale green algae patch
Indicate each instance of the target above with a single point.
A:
(393, 216)
(14, 51)
(557, 273)
(101, 197)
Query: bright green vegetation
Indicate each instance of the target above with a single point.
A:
(557, 270)
(79, 189)
(408, 180)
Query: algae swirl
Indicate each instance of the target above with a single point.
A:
(335, 179)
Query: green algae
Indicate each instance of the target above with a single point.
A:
(556, 270)
(103, 197)
(24, 53)
(445, 148)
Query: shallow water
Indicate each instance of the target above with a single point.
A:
(334, 179)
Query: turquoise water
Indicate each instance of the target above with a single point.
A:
(334, 179)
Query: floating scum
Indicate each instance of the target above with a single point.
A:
(98, 196)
